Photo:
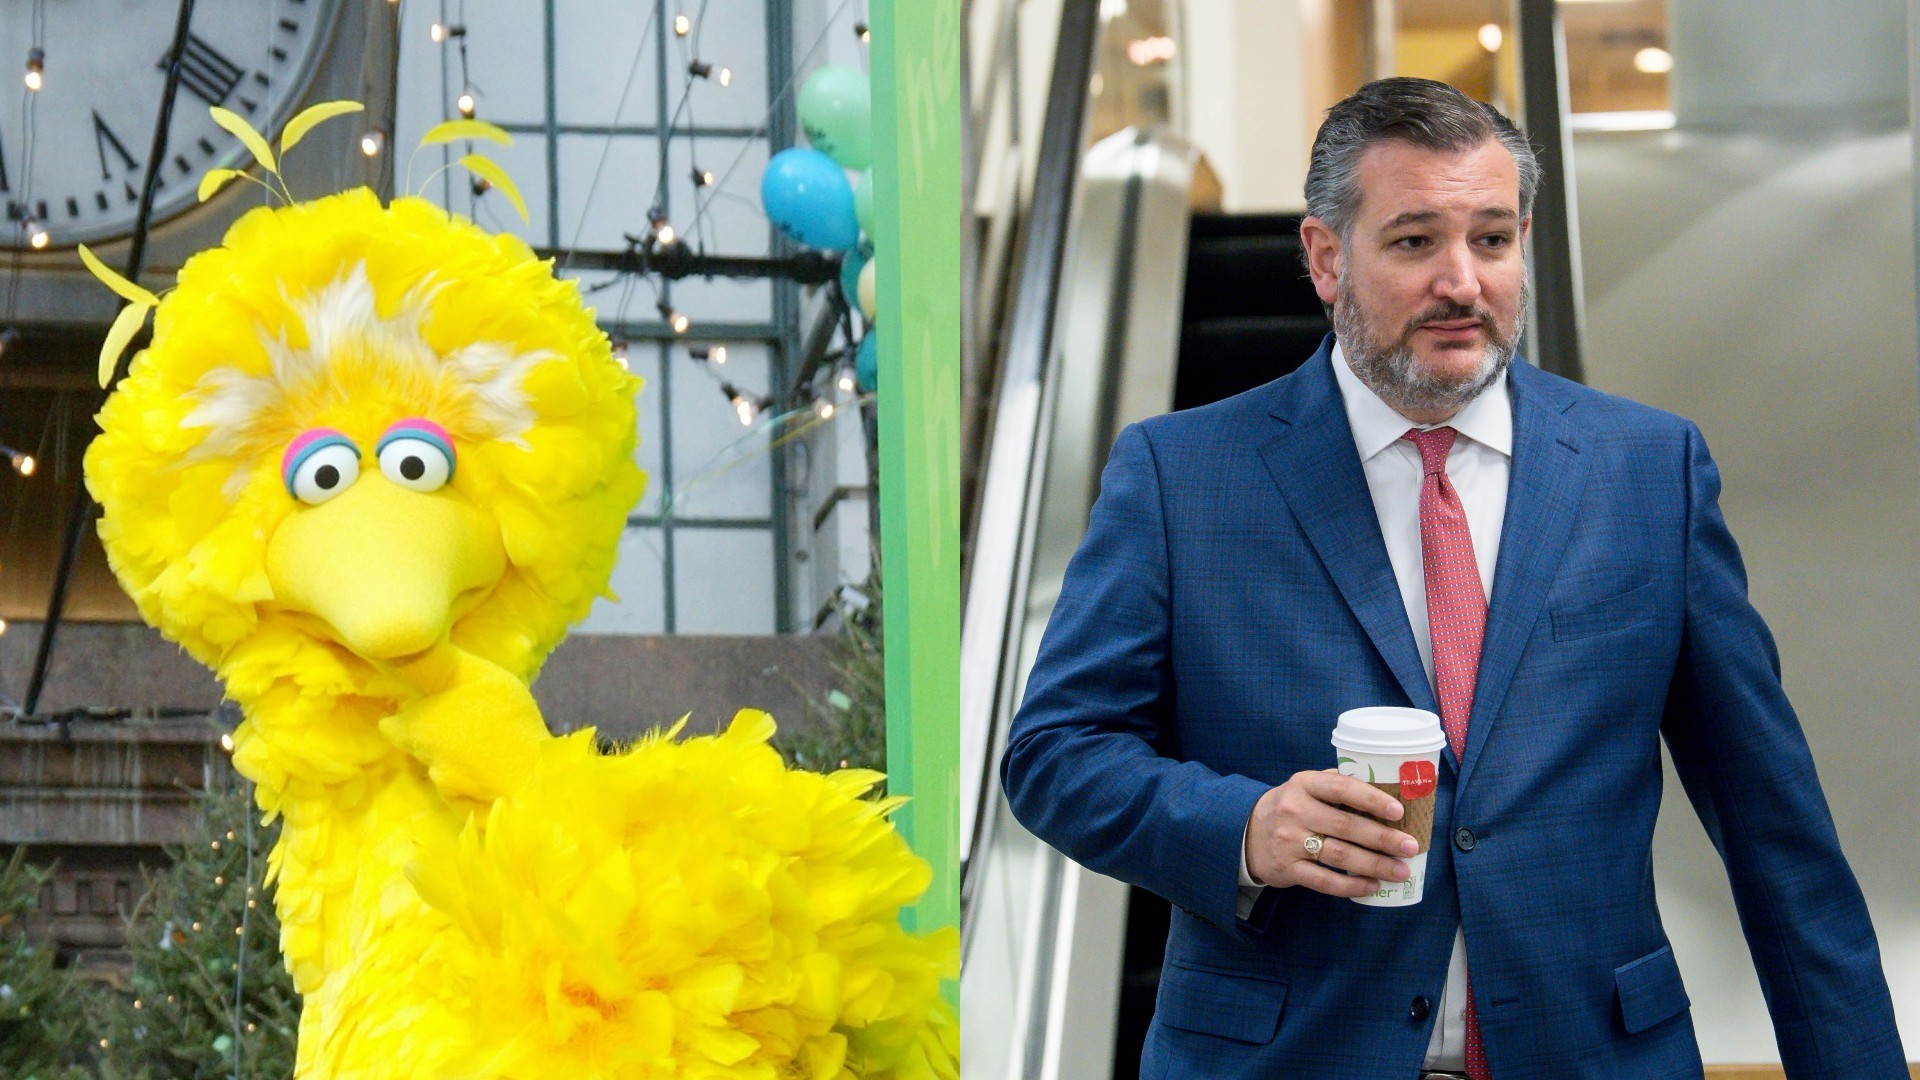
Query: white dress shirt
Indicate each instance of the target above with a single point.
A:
(1478, 467)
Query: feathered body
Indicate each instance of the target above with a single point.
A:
(460, 894)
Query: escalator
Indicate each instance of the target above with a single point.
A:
(1250, 314)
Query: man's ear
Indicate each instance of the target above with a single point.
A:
(1324, 257)
(1526, 226)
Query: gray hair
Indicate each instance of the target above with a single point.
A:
(1421, 112)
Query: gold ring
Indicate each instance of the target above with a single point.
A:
(1313, 844)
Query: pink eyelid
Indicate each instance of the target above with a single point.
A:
(305, 439)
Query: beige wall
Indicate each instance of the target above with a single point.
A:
(1247, 97)
(1764, 288)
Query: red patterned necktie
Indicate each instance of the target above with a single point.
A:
(1456, 620)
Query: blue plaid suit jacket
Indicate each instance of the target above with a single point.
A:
(1233, 595)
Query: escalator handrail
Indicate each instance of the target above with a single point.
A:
(991, 595)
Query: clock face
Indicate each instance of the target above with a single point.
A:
(91, 123)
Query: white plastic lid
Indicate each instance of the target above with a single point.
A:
(1389, 729)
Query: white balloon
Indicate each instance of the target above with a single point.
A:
(865, 288)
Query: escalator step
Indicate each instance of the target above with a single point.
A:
(1248, 276)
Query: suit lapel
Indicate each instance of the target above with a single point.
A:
(1543, 496)
(1315, 465)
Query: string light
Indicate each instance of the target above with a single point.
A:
(744, 407)
(712, 354)
(700, 69)
(22, 462)
(1491, 37)
(3, 627)
(846, 382)
(675, 319)
(825, 409)
(438, 32)
(226, 742)
(682, 26)
(465, 103)
(702, 177)
(373, 142)
(620, 355)
(36, 68)
(663, 233)
(37, 235)
(862, 31)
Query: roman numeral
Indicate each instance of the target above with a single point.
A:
(104, 137)
(205, 73)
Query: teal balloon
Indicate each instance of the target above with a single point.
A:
(807, 196)
(851, 264)
(836, 112)
(866, 363)
(863, 201)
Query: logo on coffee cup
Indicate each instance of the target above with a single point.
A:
(1417, 779)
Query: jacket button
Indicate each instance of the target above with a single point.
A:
(1463, 839)
(1419, 1009)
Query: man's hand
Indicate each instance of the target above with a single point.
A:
(1322, 803)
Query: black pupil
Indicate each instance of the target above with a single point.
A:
(412, 468)
(325, 477)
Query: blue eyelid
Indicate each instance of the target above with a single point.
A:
(305, 447)
(424, 430)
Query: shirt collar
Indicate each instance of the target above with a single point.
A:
(1487, 419)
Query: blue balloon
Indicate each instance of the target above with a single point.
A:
(850, 266)
(807, 196)
(866, 363)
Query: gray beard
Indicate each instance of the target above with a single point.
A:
(1395, 374)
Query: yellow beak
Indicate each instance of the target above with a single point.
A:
(386, 568)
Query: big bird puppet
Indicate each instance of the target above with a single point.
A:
(373, 463)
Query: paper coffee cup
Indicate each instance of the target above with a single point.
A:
(1398, 751)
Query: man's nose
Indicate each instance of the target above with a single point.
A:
(1456, 278)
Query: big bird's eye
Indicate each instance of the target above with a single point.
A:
(416, 454)
(319, 465)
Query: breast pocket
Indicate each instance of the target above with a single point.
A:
(1237, 1005)
(1617, 612)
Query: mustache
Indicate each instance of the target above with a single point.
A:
(1448, 311)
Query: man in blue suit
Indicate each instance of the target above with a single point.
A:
(1413, 519)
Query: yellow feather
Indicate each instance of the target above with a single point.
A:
(310, 117)
(251, 139)
(125, 325)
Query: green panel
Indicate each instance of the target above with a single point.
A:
(916, 170)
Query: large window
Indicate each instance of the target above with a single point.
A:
(625, 117)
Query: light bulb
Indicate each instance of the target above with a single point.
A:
(465, 104)
(717, 354)
(679, 323)
(665, 235)
(36, 68)
(226, 742)
(725, 76)
(3, 626)
(438, 32)
(862, 31)
(682, 26)
(373, 142)
(1491, 36)
(826, 410)
(1653, 61)
(37, 235)
(743, 409)
(846, 380)
(620, 354)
